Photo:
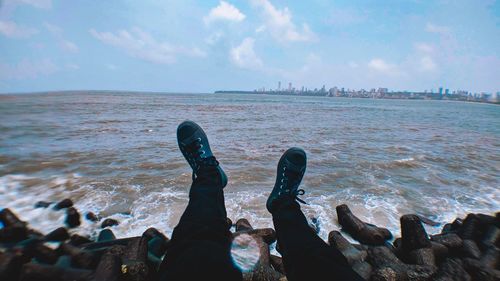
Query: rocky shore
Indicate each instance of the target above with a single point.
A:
(466, 249)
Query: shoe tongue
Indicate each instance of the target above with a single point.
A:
(292, 167)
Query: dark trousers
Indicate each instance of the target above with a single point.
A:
(305, 255)
(201, 242)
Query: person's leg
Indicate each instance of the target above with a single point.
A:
(201, 242)
(305, 255)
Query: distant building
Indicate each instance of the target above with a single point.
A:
(279, 85)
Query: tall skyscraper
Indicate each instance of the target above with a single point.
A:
(279, 85)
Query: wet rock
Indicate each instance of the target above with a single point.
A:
(470, 249)
(42, 204)
(479, 271)
(243, 225)
(422, 256)
(363, 269)
(109, 268)
(427, 221)
(490, 258)
(106, 235)
(59, 234)
(491, 237)
(91, 217)
(66, 203)
(452, 269)
(8, 218)
(109, 223)
(157, 246)
(152, 232)
(44, 254)
(389, 267)
(13, 233)
(440, 251)
(77, 240)
(469, 227)
(134, 262)
(107, 244)
(450, 240)
(351, 253)
(413, 234)
(277, 264)
(359, 230)
(72, 217)
(229, 223)
(79, 258)
(38, 272)
(10, 265)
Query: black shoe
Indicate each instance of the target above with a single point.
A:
(291, 169)
(193, 143)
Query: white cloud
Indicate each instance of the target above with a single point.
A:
(244, 55)
(439, 29)
(27, 69)
(280, 24)
(57, 32)
(353, 64)
(13, 30)
(140, 44)
(224, 12)
(383, 67)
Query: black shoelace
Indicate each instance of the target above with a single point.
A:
(195, 151)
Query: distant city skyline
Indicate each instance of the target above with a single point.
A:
(203, 46)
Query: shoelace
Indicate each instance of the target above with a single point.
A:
(294, 191)
(195, 151)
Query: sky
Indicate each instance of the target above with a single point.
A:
(203, 46)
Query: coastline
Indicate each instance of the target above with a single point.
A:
(466, 249)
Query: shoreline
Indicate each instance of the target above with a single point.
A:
(466, 249)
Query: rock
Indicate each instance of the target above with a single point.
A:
(413, 234)
(491, 237)
(422, 256)
(440, 251)
(79, 258)
(66, 203)
(351, 253)
(469, 227)
(277, 264)
(91, 217)
(243, 225)
(109, 222)
(72, 217)
(490, 258)
(389, 267)
(109, 268)
(107, 244)
(8, 218)
(480, 272)
(152, 232)
(427, 221)
(134, 261)
(157, 246)
(450, 240)
(10, 265)
(268, 235)
(470, 249)
(450, 270)
(13, 233)
(106, 235)
(42, 204)
(359, 230)
(37, 272)
(44, 254)
(229, 223)
(59, 234)
(363, 268)
(447, 228)
(77, 240)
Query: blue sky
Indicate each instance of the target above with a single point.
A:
(202, 46)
